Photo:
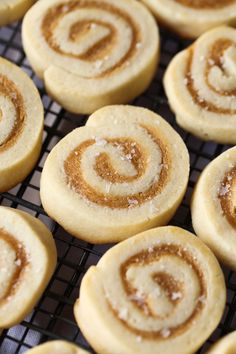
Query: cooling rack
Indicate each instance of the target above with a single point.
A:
(53, 318)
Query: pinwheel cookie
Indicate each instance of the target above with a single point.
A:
(91, 53)
(191, 18)
(57, 347)
(161, 291)
(214, 207)
(21, 125)
(27, 261)
(200, 83)
(125, 172)
(12, 10)
(227, 345)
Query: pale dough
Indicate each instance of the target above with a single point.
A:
(21, 125)
(191, 18)
(161, 291)
(27, 261)
(57, 347)
(200, 83)
(91, 53)
(124, 172)
(213, 207)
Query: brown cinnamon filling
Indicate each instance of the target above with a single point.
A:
(103, 47)
(11, 92)
(206, 4)
(169, 285)
(22, 260)
(103, 167)
(214, 58)
(167, 282)
(225, 195)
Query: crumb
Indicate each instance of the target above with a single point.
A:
(165, 332)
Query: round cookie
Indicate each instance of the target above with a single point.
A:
(161, 291)
(116, 176)
(200, 85)
(213, 207)
(12, 10)
(57, 347)
(226, 345)
(91, 53)
(21, 125)
(191, 18)
(27, 261)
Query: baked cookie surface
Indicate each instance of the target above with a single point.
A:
(21, 125)
(124, 172)
(213, 207)
(201, 89)
(161, 291)
(12, 10)
(27, 259)
(91, 53)
(191, 18)
(226, 345)
(57, 347)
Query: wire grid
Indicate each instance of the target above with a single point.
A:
(53, 318)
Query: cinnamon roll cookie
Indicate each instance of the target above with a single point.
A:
(226, 345)
(91, 53)
(214, 207)
(57, 347)
(21, 125)
(27, 261)
(200, 83)
(191, 18)
(12, 10)
(125, 172)
(161, 291)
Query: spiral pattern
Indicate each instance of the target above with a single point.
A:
(77, 46)
(200, 85)
(131, 154)
(95, 38)
(27, 261)
(205, 4)
(213, 207)
(227, 196)
(11, 270)
(12, 113)
(156, 290)
(123, 165)
(166, 293)
(216, 77)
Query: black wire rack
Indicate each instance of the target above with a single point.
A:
(53, 318)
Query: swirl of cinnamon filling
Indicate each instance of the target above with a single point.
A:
(12, 113)
(13, 261)
(213, 206)
(21, 121)
(166, 293)
(94, 37)
(156, 289)
(117, 175)
(92, 41)
(132, 154)
(200, 84)
(27, 261)
(227, 196)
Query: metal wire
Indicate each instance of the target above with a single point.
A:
(53, 316)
